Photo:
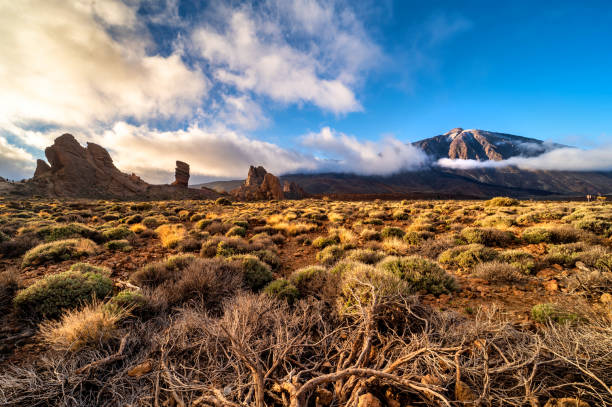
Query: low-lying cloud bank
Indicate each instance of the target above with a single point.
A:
(560, 159)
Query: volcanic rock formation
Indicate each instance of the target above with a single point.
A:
(181, 174)
(89, 172)
(261, 185)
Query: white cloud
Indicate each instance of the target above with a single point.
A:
(14, 161)
(344, 153)
(251, 53)
(60, 65)
(560, 159)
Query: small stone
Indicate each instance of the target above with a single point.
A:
(464, 394)
(141, 369)
(566, 402)
(369, 400)
(551, 285)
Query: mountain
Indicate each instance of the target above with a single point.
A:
(458, 143)
(482, 145)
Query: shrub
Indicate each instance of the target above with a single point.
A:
(89, 268)
(90, 327)
(417, 237)
(268, 257)
(370, 234)
(389, 232)
(236, 231)
(223, 201)
(189, 245)
(420, 274)
(322, 242)
(330, 254)
(502, 201)
(117, 233)
(400, 214)
(141, 206)
(395, 245)
(71, 230)
(171, 235)
(282, 290)
(595, 225)
(59, 250)
(52, 294)
(366, 256)
(544, 313)
(129, 300)
(118, 246)
(310, 281)
(151, 222)
(9, 283)
(360, 284)
(498, 272)
(256, 273)
(467, 256)
(203, 224)
(138, 228)
(562, 234)
(519, 259)
(487, 236)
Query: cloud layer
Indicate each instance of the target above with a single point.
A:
(560, 159)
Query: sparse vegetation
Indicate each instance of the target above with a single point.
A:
(359, 298)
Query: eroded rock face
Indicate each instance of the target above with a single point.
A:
(89, 172)
(181, 174)
(261, 185)
(291, 190)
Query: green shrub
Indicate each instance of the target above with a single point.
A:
(544, 313)
(330, 254)
(134, 219)
(283, 290)
(390, 231)
(502, 201)
(268, 257)
(487, 236)
(117, 233)
(595, 225)
(236, 231)
(310, 281)
(59, 250)
(467, 256)
(255, 272)
(89, 268)
(223, 201)
(52, 294)
(151, 222)
(415, 237)
(71, 230)
(366, 256)
(129, 300)
(370, 234)
(519, 259)
(420, 274)
(400, 214)
(141, 206)
(322, 242)
(118, 245)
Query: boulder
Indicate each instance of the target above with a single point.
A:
(261, 185)
(181, 174)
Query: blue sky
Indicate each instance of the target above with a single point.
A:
(298, 84)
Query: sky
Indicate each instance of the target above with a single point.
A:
(301, 85)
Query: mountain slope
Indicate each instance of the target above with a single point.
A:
(482, 145)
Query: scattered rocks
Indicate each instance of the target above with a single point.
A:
(551, 285)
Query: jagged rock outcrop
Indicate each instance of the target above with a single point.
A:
(42, 168)
(181, 174)
(291, 190)
(89, 172)
(261, 185)
(256, 176)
